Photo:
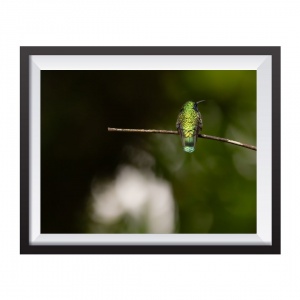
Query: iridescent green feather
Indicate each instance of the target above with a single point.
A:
(189, 125)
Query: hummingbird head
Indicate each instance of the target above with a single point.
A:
(191, 105)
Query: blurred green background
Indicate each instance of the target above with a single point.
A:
(95, 181)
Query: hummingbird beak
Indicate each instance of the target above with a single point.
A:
(200, 101)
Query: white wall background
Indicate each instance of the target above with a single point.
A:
(143, 23)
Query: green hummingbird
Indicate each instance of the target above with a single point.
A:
(189, 125)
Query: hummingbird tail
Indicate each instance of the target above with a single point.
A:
(189, 144)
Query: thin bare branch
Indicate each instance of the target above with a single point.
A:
(216, 138)
(203, 136)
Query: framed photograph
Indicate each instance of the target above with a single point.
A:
(150, 150)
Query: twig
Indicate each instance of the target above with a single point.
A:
(203, 136)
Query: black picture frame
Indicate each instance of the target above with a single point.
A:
(25, 163)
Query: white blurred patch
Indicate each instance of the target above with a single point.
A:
(138, 194)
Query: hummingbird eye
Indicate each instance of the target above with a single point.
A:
(195, 107)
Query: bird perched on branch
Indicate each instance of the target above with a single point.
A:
(189, 125)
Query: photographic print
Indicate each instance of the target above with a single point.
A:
(95, 181)
(163, 153)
